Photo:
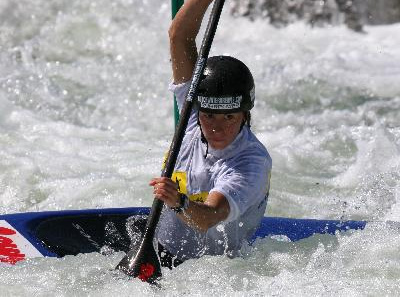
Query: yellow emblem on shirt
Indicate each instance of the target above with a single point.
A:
(181, 179)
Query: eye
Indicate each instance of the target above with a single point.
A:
(229, 117)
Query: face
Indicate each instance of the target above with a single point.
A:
(220, 130)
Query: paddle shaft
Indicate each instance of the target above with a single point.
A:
(186, 111)
(133, 263)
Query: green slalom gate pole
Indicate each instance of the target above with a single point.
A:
(175, 5)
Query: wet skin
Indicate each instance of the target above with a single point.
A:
(220, 130)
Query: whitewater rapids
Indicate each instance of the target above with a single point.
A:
(85, 119)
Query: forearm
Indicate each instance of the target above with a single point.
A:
(182, 34)
(187, 21)
(203, 216)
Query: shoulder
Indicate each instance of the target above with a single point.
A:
(249, 167)
(252, 153)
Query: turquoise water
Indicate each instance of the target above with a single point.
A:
(85, 118)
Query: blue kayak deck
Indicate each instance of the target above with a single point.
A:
(60, 233)
(70, 232)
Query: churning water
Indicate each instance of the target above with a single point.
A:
(85, 118)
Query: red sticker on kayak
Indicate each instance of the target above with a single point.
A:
(13, 246)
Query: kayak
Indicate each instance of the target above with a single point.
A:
(71, 232)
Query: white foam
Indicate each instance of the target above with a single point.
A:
(85, 120)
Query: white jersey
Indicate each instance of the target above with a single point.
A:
(241, 172)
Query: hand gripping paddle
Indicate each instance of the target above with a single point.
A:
(143, 262)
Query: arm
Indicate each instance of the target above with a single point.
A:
(182, 36)
(199, 215)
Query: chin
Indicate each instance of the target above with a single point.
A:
(218, 146)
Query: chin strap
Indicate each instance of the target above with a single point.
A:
(203, 138)
(247, 120)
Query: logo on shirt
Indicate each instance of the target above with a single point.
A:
(181, 179)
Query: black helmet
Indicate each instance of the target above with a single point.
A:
(226, 86)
